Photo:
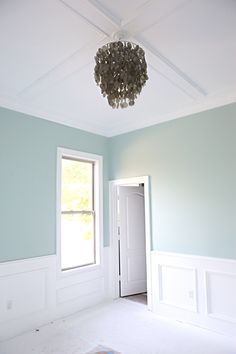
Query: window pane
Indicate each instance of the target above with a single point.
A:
(77, 240)
(76, 185)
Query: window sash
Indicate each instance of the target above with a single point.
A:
(91, 212)
(71, 158)
(94, 242)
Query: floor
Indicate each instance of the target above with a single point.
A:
(126, 327)
(140, 298)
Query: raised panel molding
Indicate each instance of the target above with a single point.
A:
(177, 287)
(220, 292)
(196, 290)
(32, 294)
(76, 291)
(22, 294)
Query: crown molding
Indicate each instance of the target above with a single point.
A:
(202, 106)
(208, 103)
(52, 117)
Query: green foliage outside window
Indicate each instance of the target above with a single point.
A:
(77, 194)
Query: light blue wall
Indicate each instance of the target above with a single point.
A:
(28, 149)
(192, 165)
(191, 161)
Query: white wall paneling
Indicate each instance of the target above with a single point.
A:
(32, 293)
(192, 289)
(196, 290)
(177, 287)
(220, 292)
(27, 294)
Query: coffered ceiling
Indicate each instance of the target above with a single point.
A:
(47, 51)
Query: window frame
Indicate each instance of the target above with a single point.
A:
(98, 208)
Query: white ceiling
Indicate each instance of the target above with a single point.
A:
(47, 59)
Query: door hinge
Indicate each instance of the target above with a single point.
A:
(118, 232)
(119, 277)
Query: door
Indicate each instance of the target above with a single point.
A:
(132, 241)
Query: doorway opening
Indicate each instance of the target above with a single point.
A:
(131, 239)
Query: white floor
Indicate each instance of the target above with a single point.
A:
(124, 326)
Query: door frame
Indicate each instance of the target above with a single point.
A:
(114, 237)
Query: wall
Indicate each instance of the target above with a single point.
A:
(191, 162)
(194, 289)
(33, 290)
(28, 148)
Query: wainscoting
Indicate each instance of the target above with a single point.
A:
(195, 290)
(33, 293)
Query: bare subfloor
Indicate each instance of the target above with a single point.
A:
(126, 327)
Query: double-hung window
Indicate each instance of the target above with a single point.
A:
(79, 223)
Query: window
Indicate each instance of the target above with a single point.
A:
(79, 222)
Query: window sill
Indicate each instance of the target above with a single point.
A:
(78, 271)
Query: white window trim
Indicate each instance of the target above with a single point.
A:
(98, 205)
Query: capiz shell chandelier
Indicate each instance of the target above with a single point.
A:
(120, 72)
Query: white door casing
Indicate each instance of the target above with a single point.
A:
(113, 283)
(133, 278)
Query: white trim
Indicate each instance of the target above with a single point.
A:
(214, 301)
(207, 275)
(193, 308)
(114, 261)
(193, 256)
(98, 200)
(52, 117)
(32, 295)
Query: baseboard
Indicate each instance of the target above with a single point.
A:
(192, 289)
(196, 290)
(32, 294)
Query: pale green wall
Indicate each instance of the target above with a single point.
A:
(192, 165)
(28, 149)
(191, 162)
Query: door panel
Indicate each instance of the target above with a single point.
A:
(132, 241)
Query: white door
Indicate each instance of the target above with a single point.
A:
(132, 241)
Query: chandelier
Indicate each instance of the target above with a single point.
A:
(120, 72)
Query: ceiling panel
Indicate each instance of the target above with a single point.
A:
(121, 9)
(79, 99)
(47, 58)
(200, 39)
(38, 35)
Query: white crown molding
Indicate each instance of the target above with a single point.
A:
(53, 117)
(207, 104)
(201, 106)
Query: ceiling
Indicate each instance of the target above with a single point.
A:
(47, 59)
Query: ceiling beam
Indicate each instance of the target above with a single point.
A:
(171, 71)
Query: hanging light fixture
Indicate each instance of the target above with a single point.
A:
(120, 72)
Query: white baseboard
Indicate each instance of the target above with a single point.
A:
(32, 294)
(196, 290)
(191, 289)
